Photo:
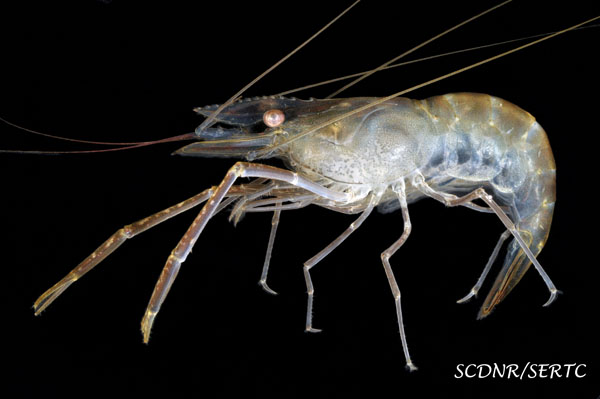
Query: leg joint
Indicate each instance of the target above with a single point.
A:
(238, 168)
(127, 231)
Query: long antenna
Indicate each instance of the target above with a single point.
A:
(123, 146)
(67, 138)
(202, 126)
(335, 93)
(417, 60)
(212, 116)
(267, 150)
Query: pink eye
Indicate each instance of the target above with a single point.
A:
(273, 117)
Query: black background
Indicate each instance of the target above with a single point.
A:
(131, 71)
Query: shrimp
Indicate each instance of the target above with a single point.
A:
(502, 151)
(387, 156)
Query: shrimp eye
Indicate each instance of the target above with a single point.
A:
(273, 117)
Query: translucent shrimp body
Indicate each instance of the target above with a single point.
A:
(456, 143)
(454, 148)
(355, 154)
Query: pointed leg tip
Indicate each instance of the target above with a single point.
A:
(467, 297)
(483, 313)
(51, 294)
(411, 367)
(553, 295)
(265, 287)
(146, 336)
(312, 330)
(147, 322)
(41, 304)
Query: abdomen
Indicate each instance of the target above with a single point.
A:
(489, 142)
